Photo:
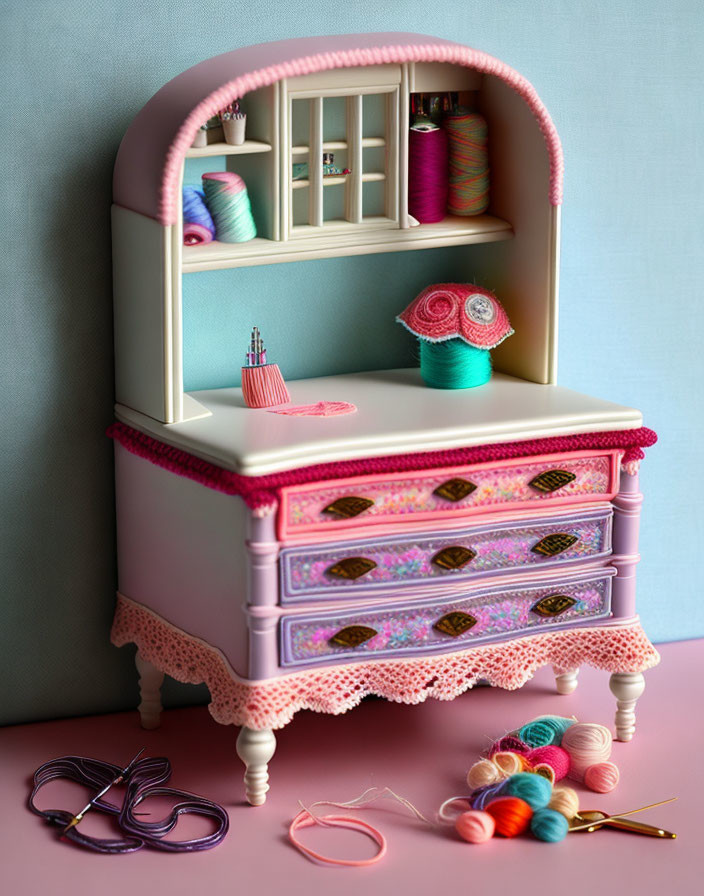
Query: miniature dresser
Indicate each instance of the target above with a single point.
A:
(431, 539)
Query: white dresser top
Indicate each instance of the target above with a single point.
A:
(396, 414)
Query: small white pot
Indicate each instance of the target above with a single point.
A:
(200, 139)
(233, 129)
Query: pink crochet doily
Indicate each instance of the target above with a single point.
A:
(273, 703)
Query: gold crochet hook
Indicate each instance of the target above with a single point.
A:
(117, 780)
(592, 820)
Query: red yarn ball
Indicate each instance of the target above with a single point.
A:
(511, 815)
(554, 756)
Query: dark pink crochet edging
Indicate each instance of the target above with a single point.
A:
(263, 491)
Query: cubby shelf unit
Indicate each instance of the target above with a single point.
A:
(514, 246)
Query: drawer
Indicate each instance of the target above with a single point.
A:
(328, 507)
(359, 568)
(446, 624)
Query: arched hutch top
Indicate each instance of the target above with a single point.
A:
(286, 89)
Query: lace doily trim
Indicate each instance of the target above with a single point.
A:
(274, 702)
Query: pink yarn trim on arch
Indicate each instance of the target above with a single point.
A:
(382, 55)
(336, 689)
(263, 491)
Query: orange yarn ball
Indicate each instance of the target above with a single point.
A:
(475, 826)
(602, 777)
(511, 815)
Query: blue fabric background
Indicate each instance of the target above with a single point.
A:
(623, 82)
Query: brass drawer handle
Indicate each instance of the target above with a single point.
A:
(554, 544)
(455, 624)
(349, 506)
(552, 480)
(351, 568)
(455, 489)
(553, 605)
(453, 557)
(352, 636)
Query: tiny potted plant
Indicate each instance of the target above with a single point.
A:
(234, 122)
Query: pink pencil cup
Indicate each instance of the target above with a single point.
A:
(263, 386)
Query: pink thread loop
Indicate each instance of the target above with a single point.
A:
(306, 819)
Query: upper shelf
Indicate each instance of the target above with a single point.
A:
(452, 231)
(227, 149)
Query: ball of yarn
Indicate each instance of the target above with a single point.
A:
(475, 826)
(545, 730)
(509, 744)
(195, 210)
(511, 815)
(228, 201)
(556, 757)
(532, 789)
(565, 801)
(510, 763)
(587, 744)
(483, 773)
(544, 770)
(602, 777)
(480, 798)
(548, 825)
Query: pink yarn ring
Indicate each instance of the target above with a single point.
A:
(305, 820)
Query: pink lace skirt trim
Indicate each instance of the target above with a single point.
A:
(274, 702)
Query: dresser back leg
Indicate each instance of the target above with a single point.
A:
(566, 682)
(150, 681)
(626, 688)
(255, 749)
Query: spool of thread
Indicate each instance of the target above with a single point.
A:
(452, 364)
(198, 225)
(481, 798)
(427, 175)
(556, 757)
(264, 386)
(511, 763)
(511, 744)
(475, 826)
(228, 201)
(532, 789)
(482, 774)
(565, 801)
(468, 163)
(511, 815)
(548, 825)
(587, 744)
(545, 730)
(602, 777)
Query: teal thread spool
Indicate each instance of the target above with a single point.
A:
(453, 364)
(457, 325)
(228, 203)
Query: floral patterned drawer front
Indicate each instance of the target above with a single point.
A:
(432, 494)
(444, 625)
(360, 567)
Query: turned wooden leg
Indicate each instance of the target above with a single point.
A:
(566, 681)
(255, 749)
(626, 688)
(150, 681)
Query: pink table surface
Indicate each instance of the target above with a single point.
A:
(421, 752)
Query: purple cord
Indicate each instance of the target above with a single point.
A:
(143, 780)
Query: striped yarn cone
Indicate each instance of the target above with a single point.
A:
(228, 201)
(264, 386)
(468, 163)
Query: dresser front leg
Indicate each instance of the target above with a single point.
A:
(626, 688)
(566, 682)
(150, 681)
(255, 749)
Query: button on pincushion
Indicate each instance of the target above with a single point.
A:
(457, 324)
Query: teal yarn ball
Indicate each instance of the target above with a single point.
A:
(548, 825)
(452, 364)
(544, 731)
(529, 787)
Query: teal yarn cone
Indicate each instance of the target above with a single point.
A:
(529, 787)
(452, 364)
(228, 201)
(548, 825)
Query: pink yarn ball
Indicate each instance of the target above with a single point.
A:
(475, 826)
(554, 756)
(602, 777)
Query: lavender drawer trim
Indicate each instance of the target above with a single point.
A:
(408, 629)
(500, 548)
